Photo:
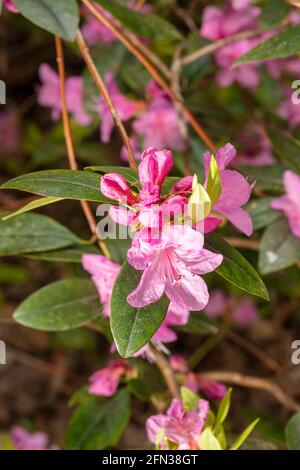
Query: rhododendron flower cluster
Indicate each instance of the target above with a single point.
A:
(178, 426)
(290, 202)
(242, 312)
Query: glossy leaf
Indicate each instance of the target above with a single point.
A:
(279, 46)
(279, 248)
(44, 201)
(133, 328)
(60, 306)
(58, 17)
(261, 213)
(68, 184)
(29, 233)
(235, 268)
(98, 423)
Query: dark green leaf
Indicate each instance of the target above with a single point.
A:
(199, 323)
(66, 184)
(292, 432)
(133, 328)
(235, 268)
(279, 46)
(60, 306)
(149, 26)
(273, 13)
(286, 148)
(67, 255)
(43, 201)
(29, 233)
(98, 423)
(279, 248)
(261, 212)
(267, 179)
(58, 17)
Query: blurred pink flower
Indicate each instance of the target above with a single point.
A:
(9, 4)
(257, 147)
(178, 426)
(289, 110)
(8, 131)
(158, 124)
(104, 273)
(49, 95)
(211, 389)
(176, 315)
(95, 32)
(173, 262)
(178, 363)
(290, 202)
(126, 107)
(242, 312)
(24, 440)
(105, 382)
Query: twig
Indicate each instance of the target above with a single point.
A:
(267, 360)
(257, 383)
(68, 137)
(210, 48)
(154, 73)
(244, 243)
(166, 372)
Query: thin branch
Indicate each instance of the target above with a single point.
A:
(166, 372)
(257, 383)
(210, 48)
(104, 92)
(244, 243)
(68, 137)
(154, 73)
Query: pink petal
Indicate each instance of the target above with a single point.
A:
(151, 287)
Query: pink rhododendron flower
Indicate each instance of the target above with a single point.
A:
(126, 107)
(290, 110)
(236, 190)
(211, 389)
(176, 315)
(8, 131)
(9, 4)
(158, 124)
(242, 312)
(290, 202)
(179, 426)
(49, 95)
(104, 273)
(24, 440)
(105, 382)
(173, 262)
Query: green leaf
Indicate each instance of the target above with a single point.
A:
(273, 13)
(292, 432)
(261, 213)
(98, 423)
(29, 233)
(208, 441)
(241, 439)
(133, 328)
(68, 184)
(268, 178)
(60, 306)
(279, 248)
(33, 205)
(286, 148)
(214, 185)
(149, 26)
(189, 399)
(67, 255)
(223, 408)
(199, 323)
(58, 17)
(279, 46)
(235, 268)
